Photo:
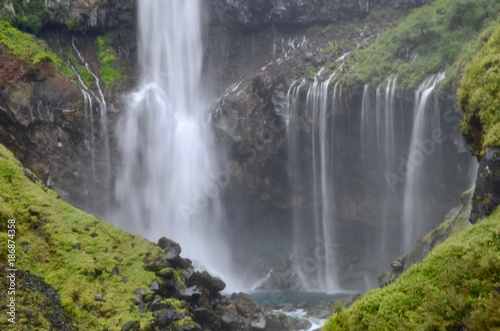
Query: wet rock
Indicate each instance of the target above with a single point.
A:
(166, 316)
(230, 320)
(205, 280)
(171, 248)
(206, 318)
(284, 322)
(487, 193)
(398, 264)
(244, 304)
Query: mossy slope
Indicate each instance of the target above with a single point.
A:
(94, 266)
(479, 96)
(440, 36)
(455, 287)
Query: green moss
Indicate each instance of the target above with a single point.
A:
(440, 36)
(73, 252)
(457, 284)
(112, 72)
(479, 96)
(30, 49)
(28, 15)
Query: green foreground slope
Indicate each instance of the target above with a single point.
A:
(94, 267)
(457, 285)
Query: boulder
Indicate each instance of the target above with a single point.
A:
(205, 280)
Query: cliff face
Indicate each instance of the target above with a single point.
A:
(250, 15)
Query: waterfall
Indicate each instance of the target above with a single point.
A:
(316, 269)
(167, 186)
(101, 176)
(345, 164)
(426, 121)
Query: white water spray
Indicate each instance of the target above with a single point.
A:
(166, 186)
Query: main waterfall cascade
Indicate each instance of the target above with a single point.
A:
(166, 185)
(398, 161)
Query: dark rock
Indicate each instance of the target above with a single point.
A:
(205, 280)
(30, 175)
(49, 182)
(156, 264)
(155, 286)
(230, 321)
(96, 15)
(284, 322)
(166, 316)
(244, 304)
(398, 264)
(255, 14)
(184, 325)
(25, 247)
(487, 193)
(172, 248)
(206, 318)
(132, 326)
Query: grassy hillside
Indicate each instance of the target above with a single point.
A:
(94, 267)
(479, 96)
(457, 287)
(440, 36)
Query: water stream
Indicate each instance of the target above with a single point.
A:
(166, 186)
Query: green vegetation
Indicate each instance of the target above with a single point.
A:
(27, 15)
(479, 96)
(456, 285)
(443, 35)
(30, 49)
(94, 266)
(85, 75)
(112, 72)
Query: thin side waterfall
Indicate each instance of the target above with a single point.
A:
(426, 121)
(167, 186)
(104, 176)
(379, 128)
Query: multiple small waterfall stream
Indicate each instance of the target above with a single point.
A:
(398, 156)
(95, 134)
